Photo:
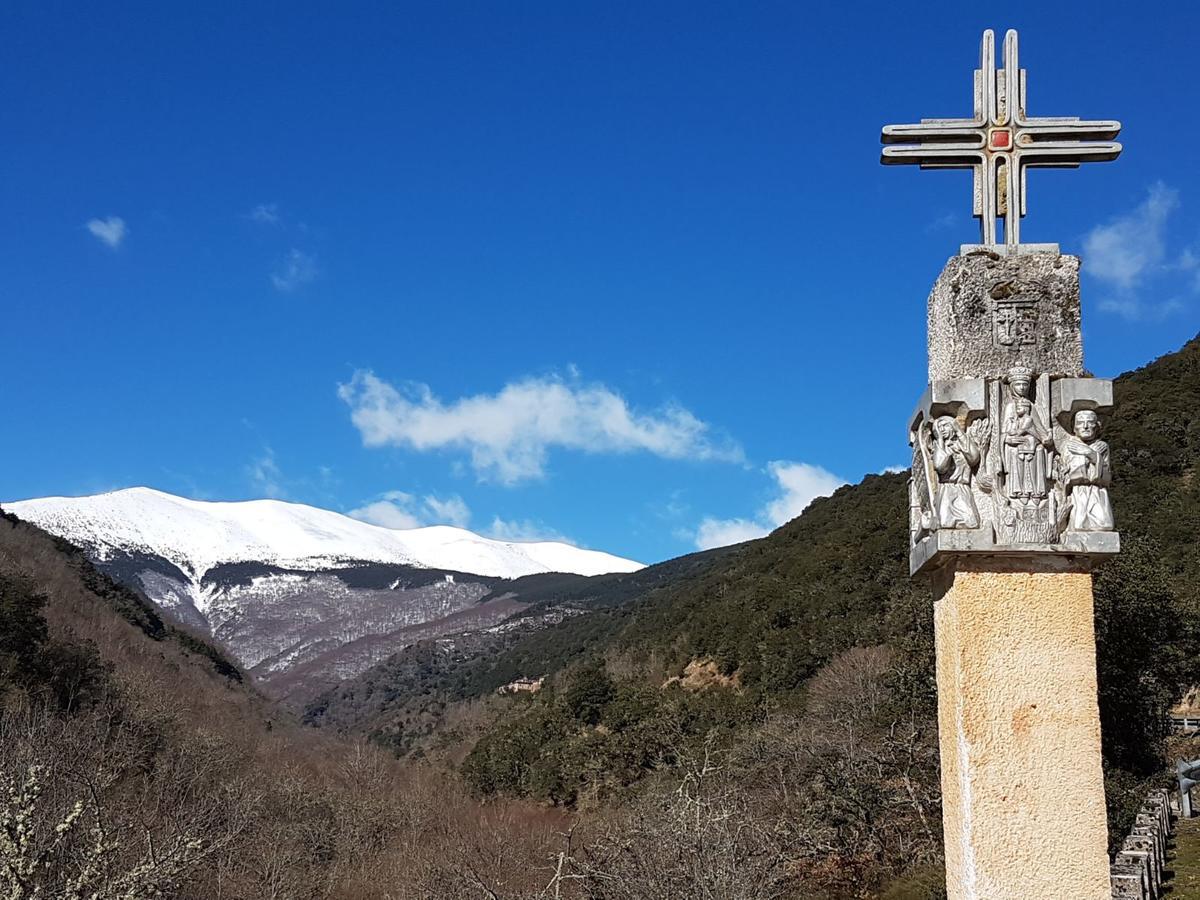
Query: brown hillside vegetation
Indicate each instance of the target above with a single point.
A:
(133, 763)
(136, 764)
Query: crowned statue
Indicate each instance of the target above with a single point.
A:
(1027, 444)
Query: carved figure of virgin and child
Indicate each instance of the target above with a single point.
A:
(1026, 443)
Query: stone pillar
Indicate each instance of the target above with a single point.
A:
(1019, 728)
(1009, 511)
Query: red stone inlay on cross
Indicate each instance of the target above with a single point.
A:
(1001, 139)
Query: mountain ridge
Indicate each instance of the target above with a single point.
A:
(197, 535)
(303, 597)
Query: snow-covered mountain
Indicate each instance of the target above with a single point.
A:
(197, 535)
(302, 596)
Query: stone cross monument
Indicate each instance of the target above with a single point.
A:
(1000, 142)
(1009, 511)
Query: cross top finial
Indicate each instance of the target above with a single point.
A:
(1000, 142)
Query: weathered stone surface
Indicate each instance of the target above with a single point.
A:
(989, 313)
(1006, 439)
(1074, 548)
(1010, 465)
(1019, 729)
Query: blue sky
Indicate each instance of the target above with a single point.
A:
(625, 273)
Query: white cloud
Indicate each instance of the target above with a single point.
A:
(1132, 250)
(799, 484)
(524, 530)
(723, 532)
(396, 509)
(266, 475)
(451, 511)
(110, 231)
(296, 270)
(944, 221)
(387, 513)
(1134, 309)
(265, 214)
(508, 435)
(1124, 250)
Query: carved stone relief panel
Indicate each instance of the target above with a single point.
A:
(1012, 461)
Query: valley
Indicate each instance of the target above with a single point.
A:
(813, 725)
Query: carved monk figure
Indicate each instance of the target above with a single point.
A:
(955, 457)
(1086, 475)
(1025, 442)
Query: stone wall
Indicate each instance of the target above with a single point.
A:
(1137, 868)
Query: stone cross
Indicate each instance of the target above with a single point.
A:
(1000, 142)
(1009, 511)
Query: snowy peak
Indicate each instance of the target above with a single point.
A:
(197, 535)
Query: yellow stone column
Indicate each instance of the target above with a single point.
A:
(1019, 728)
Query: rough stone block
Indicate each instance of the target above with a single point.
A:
(1070, 395)
(1127, 886)
(1154, 834)
(988, 313)
(1148, 862)
(1131, 880)
(1144, 844)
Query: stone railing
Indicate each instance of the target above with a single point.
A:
(1137, 868)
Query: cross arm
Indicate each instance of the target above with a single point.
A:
(1071, 128)
(1069, 153)
(933, 131)
(945, 156)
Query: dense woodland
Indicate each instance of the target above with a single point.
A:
(754, 723)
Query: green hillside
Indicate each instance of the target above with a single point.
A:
(837, 576)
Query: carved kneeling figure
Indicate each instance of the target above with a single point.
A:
(955, 457)
(1086, 475)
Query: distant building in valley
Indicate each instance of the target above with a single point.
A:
(522, 686)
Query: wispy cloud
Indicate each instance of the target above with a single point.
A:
(508, 435)
(450, 511)
(1137, 309)
(398, 509)
(1130, 254)
(723, 532)
(1123, 250)
(524, 530)
(797, 484)
(943, 222)
(296, 270)
(265, 214)
(110, 231)
(266, 476)
(387, 513)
